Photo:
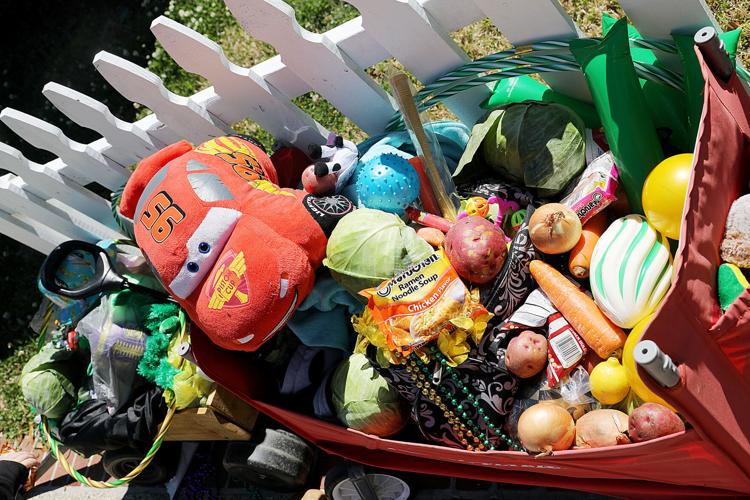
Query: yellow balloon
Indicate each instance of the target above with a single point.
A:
(664, 194)
(628, 362)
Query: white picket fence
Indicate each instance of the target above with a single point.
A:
(43, 205)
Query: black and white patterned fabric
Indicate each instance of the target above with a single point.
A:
(514, 283)
(483, 372)
(488, 187)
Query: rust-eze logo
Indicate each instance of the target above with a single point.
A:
(237, 154)
(228, 283)
(161, 215)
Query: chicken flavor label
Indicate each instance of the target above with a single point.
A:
(418, 304)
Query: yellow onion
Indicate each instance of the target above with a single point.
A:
(600, 428)
(546, 427)
(554, 228)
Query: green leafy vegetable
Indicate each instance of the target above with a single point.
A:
(363, 399)
(541, 145)
(369, 246)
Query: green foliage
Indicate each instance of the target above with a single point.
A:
(15, 415)
(322, 15)
(208, 17)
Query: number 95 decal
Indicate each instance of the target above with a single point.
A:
(161, 215)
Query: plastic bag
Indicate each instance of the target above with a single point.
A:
(573, 394)
(91, 429)
(115, 333)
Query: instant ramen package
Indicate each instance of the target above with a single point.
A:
(422, 302)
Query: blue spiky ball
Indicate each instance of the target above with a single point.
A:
(387, 182)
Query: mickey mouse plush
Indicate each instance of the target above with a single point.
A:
(236, 251)
(333, 164)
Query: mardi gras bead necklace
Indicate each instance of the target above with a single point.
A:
(452, 405)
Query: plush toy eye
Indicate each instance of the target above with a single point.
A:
(204, 247)
(192, 267)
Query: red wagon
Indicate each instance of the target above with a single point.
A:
(712, 352)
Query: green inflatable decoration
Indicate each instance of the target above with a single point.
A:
(694, 78)
(525, 88)
(619, 101)
(665, 104)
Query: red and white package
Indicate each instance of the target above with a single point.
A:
(565, 348)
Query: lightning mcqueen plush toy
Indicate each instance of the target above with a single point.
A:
(236, 251)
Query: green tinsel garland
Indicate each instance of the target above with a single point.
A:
(160, 326)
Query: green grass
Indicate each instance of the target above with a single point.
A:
(15, 416)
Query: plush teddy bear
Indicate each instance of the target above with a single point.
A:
(237, 252)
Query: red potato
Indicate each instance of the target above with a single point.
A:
(651, 421)
(476, 249)
(526, 354)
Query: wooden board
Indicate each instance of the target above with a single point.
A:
(224, 418)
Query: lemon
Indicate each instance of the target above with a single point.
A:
(609, 382)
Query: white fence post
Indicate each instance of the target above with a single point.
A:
(16, 197)
(128, 143)
(42, 241)
(180, 114)
(416, 39)
(317, 61)
(238, 92)
(533, 20)
(45, 182)
(83, 164)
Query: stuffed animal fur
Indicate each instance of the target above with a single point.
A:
(735, 247)
(333, 164)
(237, 252)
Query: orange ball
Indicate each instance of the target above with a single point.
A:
(476, 205)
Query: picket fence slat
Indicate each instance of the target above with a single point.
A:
(239, 92)
(41, 238)
(46, 182)
(351, 38)
(451, 16)
(317, 61)
(181, 114)
(129, 144)
(660, 19)
(16, 196)
(405, 29)
(84, 164)
(157, 130)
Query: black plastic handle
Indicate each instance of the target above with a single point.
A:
(712, 48)
(104, 279)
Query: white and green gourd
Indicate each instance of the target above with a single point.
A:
(631, 270)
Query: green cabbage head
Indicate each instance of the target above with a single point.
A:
(369, 246)
(539, 145)
(47, 382)
(364, 401)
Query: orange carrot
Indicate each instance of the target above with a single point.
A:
(580, 257)
(603, 336)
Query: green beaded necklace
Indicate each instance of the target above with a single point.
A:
(471, 436)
